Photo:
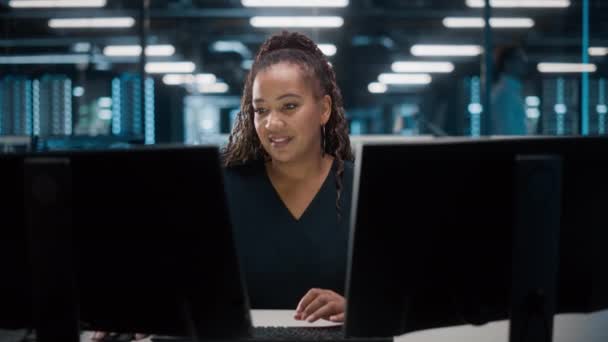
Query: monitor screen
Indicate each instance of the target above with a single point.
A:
(152, 243)
(432, 231)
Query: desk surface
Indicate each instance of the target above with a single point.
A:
(567, 328)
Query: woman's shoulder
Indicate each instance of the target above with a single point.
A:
(349, 165)
(243, 171)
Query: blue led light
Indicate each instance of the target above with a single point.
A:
(149, 134)
(36, 106)
(67, 107)
(116, 107)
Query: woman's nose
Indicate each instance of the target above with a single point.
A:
(273, 121)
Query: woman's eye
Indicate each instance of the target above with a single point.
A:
(260, 111)
(290, 106)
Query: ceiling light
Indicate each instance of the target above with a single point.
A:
(180, 79)
(169, 67)
(215, 88)
(45, 59)
(521, 3)
(120, 22)
(377, 88)
(294, 3)
(135, 50)
(446, 50)
(328, 49)
(55, 3)
(389, 78)
(443, 67)
(81, 47)
(328, 22)
(598, 51)
(474, 22)
(247, 64)
(565, 67)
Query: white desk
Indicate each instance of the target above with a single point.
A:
(567, 328)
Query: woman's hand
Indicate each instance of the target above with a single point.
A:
(320, 303)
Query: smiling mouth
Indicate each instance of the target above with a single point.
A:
(279, 141)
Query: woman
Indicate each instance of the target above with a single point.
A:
(289, 179)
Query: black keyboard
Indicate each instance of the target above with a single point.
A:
(298, 333)
(295, 334)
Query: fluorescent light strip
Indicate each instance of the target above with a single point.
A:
(180, 79)
(474, 22)
(389, 78)
(328, 49)
(247, 64)
(377, 88)
(55, 3)
(521, 3)
(445, 50)
(565, 67)
(294, 3)
(215, 88)
(598, 51)
(116, 22)
(45, 59)
(438, 67)
(169, 67)
(275, 21)
(135, 50)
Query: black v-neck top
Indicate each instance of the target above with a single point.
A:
(281, 257)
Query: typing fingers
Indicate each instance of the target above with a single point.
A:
(337, 318)
(327, 310)
(305, 301)
(320, 301)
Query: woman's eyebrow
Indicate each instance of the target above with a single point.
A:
(288, 95)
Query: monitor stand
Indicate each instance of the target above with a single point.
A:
(48, 195)
(537, 206)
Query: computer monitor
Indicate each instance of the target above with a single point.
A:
(434, 225)
(15, 290)
(149, 236)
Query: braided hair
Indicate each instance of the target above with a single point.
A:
(244, 144)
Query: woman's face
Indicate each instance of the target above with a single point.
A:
(288, 114)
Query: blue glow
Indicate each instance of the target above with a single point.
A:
(585, 75)
(104, 102)
(78, 91)
(27, 113)
(116, 106)
(601, 107)
(560, 108)
(149, 133)
(57, 125)
(1, 104)
(136, 114)
(67, 107)
(533, 101)
(475, 108)
(533, 113)
(36, 106)
(231, 46)
(17, 109)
